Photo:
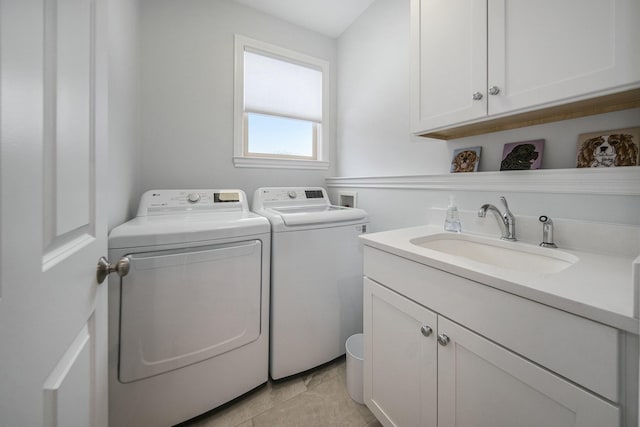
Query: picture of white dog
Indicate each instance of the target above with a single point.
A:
(609, 149)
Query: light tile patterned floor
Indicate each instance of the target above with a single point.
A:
(315, 399)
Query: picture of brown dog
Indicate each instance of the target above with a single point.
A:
(465, 161)
(607, 150)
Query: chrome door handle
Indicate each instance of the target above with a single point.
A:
(426, 330)
(105, 268)
(494, 90)
(443, 339)
(477, 96)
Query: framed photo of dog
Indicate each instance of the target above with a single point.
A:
(611, 148)
(525, 155)
(465, 159)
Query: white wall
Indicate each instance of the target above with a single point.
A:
(187, 93)
(374, 137)
(123, 111)
(373, 98)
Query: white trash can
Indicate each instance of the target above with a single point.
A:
(355, 357)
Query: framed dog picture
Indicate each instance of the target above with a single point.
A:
(465, 159)
(523, 155)
(609, 148)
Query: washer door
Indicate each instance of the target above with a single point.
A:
(180, 307)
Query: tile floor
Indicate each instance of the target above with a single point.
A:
(314, 399)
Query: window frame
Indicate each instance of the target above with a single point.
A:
(241, 157)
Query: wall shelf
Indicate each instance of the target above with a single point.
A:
(620, 181)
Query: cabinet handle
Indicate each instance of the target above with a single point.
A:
(426, 330)
(443, 339)
(477, 96)
(494, 90)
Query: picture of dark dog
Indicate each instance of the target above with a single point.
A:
(520, 158)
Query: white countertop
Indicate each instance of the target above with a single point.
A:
(598, 287)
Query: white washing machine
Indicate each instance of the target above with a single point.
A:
(189, 323)
(316, 276)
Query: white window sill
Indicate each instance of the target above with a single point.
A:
(263, 162)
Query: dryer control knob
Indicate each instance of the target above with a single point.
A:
(193, 197)
(292, 194)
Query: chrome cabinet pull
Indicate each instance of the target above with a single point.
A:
(443, 339)
(105, 268)
(494, 90)
(477, 96)
(426, 330)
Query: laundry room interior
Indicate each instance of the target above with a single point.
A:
(172, 126)
(527, 314)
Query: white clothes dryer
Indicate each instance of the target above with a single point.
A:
(316, 276)
(189, 324)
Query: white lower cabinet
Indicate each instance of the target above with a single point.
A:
(422, 369)
(400, 359)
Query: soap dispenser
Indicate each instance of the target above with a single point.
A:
(452, 220)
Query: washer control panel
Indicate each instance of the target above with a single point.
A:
(158, 202)
(287, 194)
(193, 197)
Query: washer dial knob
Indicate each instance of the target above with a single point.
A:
(292, 194)
(193, 197)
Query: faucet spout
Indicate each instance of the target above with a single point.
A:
(506, 221)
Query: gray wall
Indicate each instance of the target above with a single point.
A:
(187, 59)
(373, 98)
(124, 159)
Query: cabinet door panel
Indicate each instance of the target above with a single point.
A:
(400, 365)
(546, 51)
(480, 384)
(450, 62)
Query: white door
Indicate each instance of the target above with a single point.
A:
(53, 127)
(546, 51)
(449, 76)
(400, 359)
(481, 384)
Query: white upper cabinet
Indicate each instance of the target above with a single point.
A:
(477, 60)
(451, 65)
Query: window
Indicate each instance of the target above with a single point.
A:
(281, 107)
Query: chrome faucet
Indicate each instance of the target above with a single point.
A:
(547, 232)
(506, 220)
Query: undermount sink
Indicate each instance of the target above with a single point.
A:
(497, 253)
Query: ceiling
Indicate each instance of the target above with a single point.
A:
(328, 17)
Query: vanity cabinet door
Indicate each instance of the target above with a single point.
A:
(481, 384)
(400, 367)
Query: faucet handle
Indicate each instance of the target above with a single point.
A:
(504, 203)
